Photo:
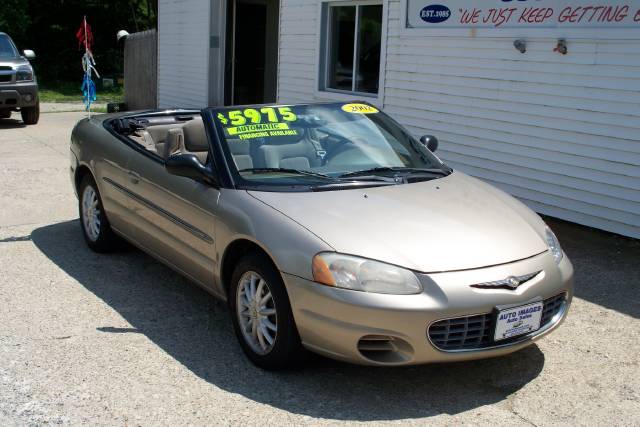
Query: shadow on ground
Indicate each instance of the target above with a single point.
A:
(607, 270)
(193, 328)
(11, 123)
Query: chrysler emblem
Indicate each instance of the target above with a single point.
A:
(511, 282)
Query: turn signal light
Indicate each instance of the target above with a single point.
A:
(321, 272)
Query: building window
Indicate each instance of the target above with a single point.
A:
(351, 46)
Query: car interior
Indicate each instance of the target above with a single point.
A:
(166, 136)
(311, 149)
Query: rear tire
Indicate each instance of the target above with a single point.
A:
(95, 226)
(31, 115)
(264, 324)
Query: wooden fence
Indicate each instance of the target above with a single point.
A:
(141, 70)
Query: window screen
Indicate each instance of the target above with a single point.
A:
(353, 36)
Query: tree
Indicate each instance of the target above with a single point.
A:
(49, 27)
(14, 19)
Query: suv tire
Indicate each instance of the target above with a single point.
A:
(31, 115)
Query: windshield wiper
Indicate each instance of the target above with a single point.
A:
(347, 185)
(287, 170)
(371, 171)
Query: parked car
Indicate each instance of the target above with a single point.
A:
(326, 227)
(18, 84)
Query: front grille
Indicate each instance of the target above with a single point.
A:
(4, 78)
(476, 332)
(551, 307)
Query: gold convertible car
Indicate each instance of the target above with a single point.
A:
(325, 227)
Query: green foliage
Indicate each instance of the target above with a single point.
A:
(49, 27)
(70, 92)
(14, 19)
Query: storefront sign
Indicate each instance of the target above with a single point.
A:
(523, 13)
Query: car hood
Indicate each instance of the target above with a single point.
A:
(13, 62)
(453, 223)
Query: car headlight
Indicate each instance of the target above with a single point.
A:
(360, 274)
(24, 73)
(554, 245)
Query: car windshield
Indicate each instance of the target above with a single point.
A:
(320, 145)
(7, 49)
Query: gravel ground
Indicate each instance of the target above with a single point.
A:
(58, 107)
(122, 340)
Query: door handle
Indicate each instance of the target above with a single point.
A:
(134, 177)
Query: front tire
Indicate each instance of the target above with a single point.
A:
(261, 314)
(31, 115)
(95, 225)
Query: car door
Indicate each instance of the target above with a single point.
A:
(174, 217)
(110, 165)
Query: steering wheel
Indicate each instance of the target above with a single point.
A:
(346, 149)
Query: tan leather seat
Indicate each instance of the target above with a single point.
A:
(145, 139)
(159, 136)
(195, 138)
(296, 151)
(241, 152)
(174, 143)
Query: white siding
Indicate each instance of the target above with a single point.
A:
(298, 49)
(183, 53)
(562, 133)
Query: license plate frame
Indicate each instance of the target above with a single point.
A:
(517, 321)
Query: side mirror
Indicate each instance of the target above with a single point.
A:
(188, 166)
(430, 141)
(29, 54)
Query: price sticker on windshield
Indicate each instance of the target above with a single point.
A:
(257, 116)
(359, 109)
(261, 131)
(252, 123)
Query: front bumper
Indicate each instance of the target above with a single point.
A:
(375, 329)
(73, 167)
(18, 95)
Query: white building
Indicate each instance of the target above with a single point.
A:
(558, 129)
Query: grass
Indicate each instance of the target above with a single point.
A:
(70, 92)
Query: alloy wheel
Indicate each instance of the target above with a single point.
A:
(256, 312)
(91, 213)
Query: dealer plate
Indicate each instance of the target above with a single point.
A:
(518, 321)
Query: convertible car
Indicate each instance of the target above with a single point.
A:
(326, 227)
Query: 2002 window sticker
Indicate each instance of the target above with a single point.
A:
(360, 109)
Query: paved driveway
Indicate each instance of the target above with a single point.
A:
(122, 340)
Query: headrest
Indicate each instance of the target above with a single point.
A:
(195, 137)
(239, 146)
(174, 142)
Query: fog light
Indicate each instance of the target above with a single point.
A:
(27, 98)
